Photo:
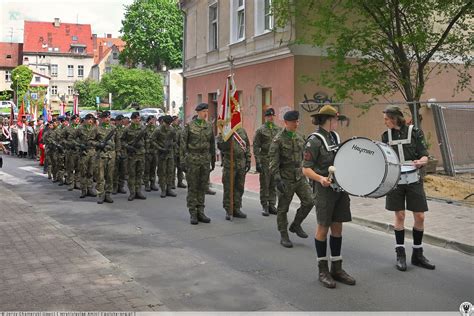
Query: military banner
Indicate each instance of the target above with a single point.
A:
(229, 117)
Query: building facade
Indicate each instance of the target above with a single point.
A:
(10, 57)
(106, 54)
(61, 51)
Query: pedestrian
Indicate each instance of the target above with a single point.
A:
(240, 166)
(261, 148)
(14, 139)
(409, 144)
(133, 138)
(151, 155)
(73, 177)
(121, 161)
(179, 173)
(87, 141)
(105, 148)
(198, 158)
(39, 140)
(286, 155)
(332, 205)
(31, 139)
(164, 141)
(22, 137)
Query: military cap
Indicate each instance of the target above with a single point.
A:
(74, 117)
(174, 117)
(168, 119)
(89, 116)
(201, 106)
(149, 118)
(135, 115)
(394, 110)
(104, 114)
(269, 112)
(68, 113)
(119, 117)
(329, 110)
(160, 119)
(291, 116)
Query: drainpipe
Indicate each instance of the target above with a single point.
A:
(184, 64)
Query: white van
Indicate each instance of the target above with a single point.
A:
(7, 104)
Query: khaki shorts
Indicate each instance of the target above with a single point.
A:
(331, 206)
(413, 195)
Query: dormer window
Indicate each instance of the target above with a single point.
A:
(78, 48)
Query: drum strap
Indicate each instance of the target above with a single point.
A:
(400, 142)
(326, 145)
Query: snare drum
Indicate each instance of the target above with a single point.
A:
(366, 168)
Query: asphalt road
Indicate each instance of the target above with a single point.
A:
(240, 265)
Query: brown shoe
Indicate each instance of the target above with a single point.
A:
(340, 275)
(324, 276)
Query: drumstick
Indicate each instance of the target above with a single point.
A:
(331, 170)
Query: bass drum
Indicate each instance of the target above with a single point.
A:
(366, 168)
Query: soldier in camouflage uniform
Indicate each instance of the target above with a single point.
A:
(120, 157)
(87, 140)
(241, 167)
(179, 173)
(73, 176)
(59, 152)
(164, 139)
(197, 154)
(151, 157)
(106, 158)
(133, 139)
(48, 148)
(286, 155)
(261, 146)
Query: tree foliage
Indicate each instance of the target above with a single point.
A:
(380, 47)
(88, 90)
(21, 79)
(153, 32)
(133, 85)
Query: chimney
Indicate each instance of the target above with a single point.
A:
(57, 22)
(109, 35)
(94, 41)
(101, 52)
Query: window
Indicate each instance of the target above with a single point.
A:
(37, 79)
(54, 90)
(115, 55)
(80, 71)
(70, 90)
(213, 22)
(237, 18)
(70, 70)
(8, 75)
(263, 16)
(54, 70)
(74, 38)
(42, 70)
(9, 56)
(78, 50)
(268, 17)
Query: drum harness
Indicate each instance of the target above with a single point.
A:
(329, 148)
(407, 177)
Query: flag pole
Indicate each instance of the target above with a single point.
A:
(232, 176)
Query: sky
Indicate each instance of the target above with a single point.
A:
(104, 16)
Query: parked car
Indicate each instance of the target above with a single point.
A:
(83, 113)
(7, 104)
(156, 112)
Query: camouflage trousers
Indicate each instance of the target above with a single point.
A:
(267, 187)
(88, 168)
(303, 191)
(136, 165)
(239, 183)
(166, 172)
(151, 163)
(72, 168)
(105, 174)
(48, 161)
(179, 173)
(197, 177)
(58, 166)
(120, 172)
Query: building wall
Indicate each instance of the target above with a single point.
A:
(5, 85)
(175, 97)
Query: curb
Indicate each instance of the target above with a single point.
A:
(388, 228)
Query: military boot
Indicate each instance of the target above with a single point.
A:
(139, 195)
(71, 187)
(401, 259)
(239, 214)
(298, 230)
(163, 192)
(108, 198)
(153, 186)
(170, 192)
(265, 211)
(181, 185)
(272, 209)
(173, 186)
(285, 240)
(83, 194)
(202, 217)
(324, 276)
(100, 199)
(194, 217)
(210, 192)
(418, 259)
(147, 186)
(339, 274)
(77, 186)
(61, 182)
(115, 190)
(131, 197)
(122, 190)
(91, 192)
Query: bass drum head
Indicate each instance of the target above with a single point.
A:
(360, 166)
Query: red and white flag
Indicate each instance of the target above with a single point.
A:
(230, 118)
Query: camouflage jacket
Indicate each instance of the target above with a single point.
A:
(286, 155)
(197, 144)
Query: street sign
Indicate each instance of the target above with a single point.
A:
(34, 96)
(97, 100)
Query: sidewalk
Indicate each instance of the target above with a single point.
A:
(447, 225)
(44, 266)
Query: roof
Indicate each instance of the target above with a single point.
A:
(13, 51)
(106, 43)
(45, 37)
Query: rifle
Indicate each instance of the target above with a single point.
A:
(104, 142)
(137, 139)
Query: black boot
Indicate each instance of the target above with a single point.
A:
(202, 217)
(418, 259)
(239, 214)
(296, 228)
(210, 192)
(170, 192)
(147, 186)
(163, 192)
(108, 198)
(339, 274)
(83, 194)
(324, 276)
(272, 209)
(122, 190)
(265, 211)
(139, 195)
(91, 192)
(181, 185)
(100, 199)
(115, 190)
(153, 186)
(131, 197)
(401, 259)
(285, 240)
(194, 217)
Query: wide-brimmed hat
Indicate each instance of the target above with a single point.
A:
(329, 110)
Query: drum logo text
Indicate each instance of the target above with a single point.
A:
(363, 150)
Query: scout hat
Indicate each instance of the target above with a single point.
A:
(329, 110)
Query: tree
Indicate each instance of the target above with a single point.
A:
(21, 79)
(381, 47)
(142, 86)
(153, 32)
(88, 90)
